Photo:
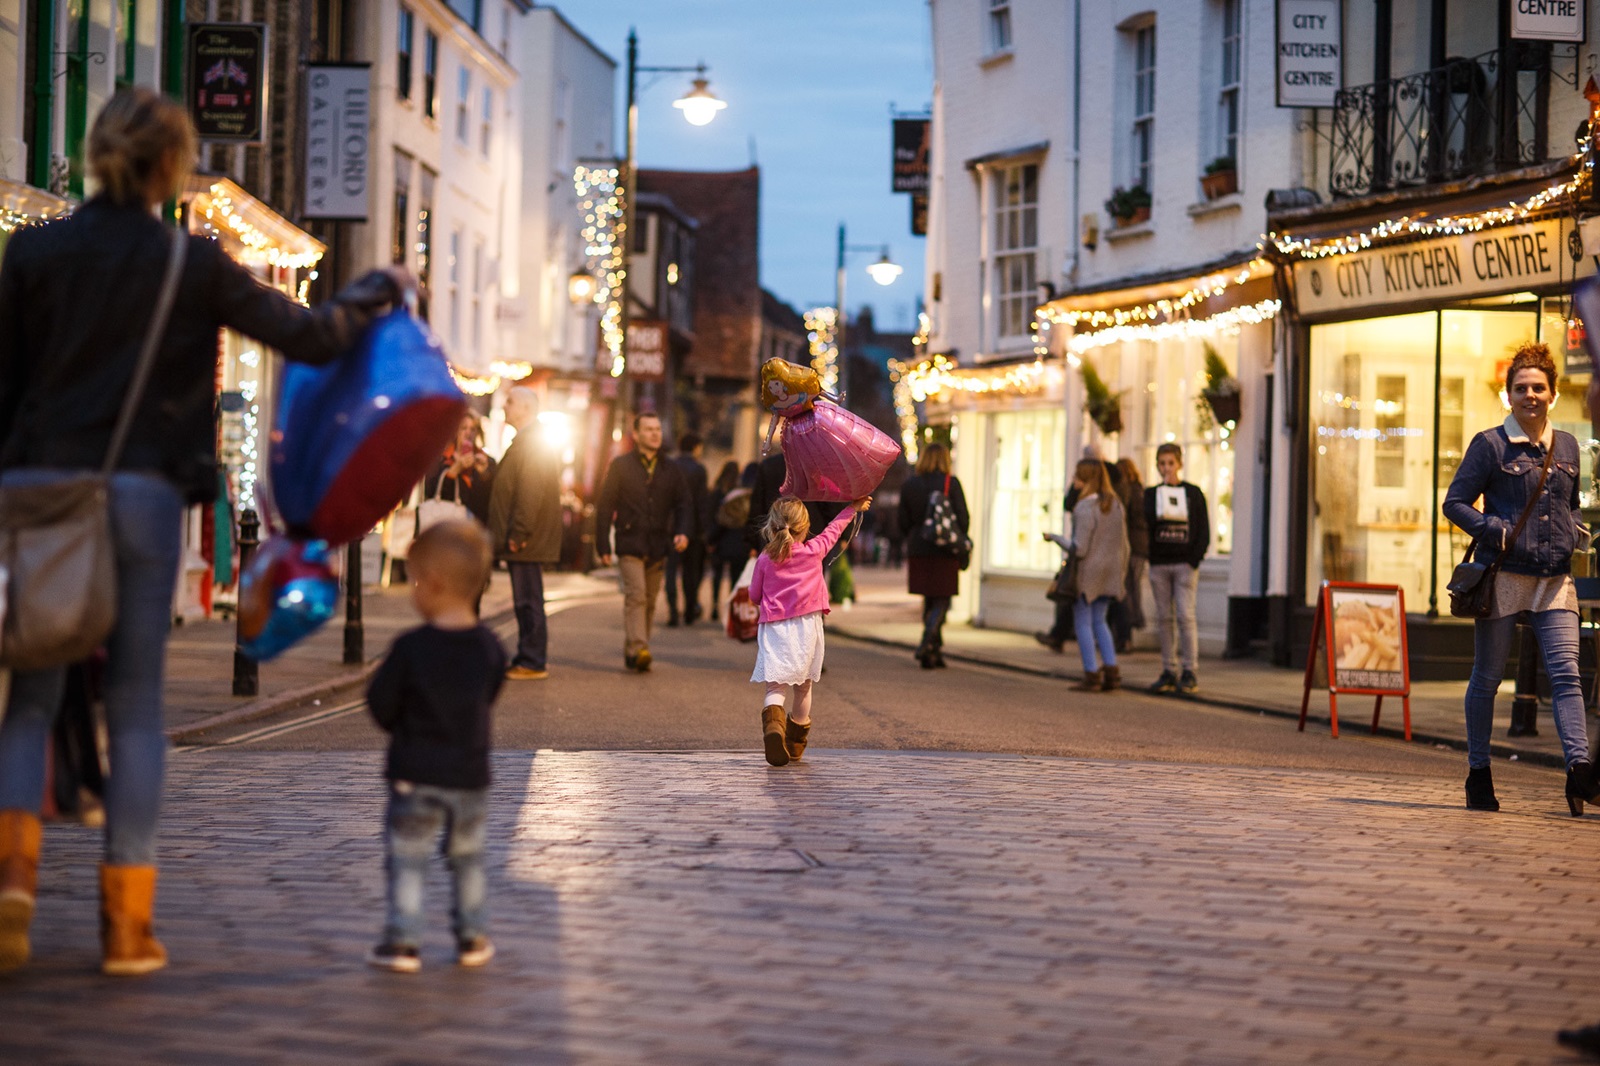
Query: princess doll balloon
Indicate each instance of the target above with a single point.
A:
(831, 455)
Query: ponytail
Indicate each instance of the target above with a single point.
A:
(787, 525)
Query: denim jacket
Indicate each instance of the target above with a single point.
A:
(1502, 465)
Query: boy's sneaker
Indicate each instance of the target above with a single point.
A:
(1165, 685)
(474, 951)
(1188, 684)
(395, 957)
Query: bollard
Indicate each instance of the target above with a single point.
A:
(246, 677)
(1525, 704)
(354, 632)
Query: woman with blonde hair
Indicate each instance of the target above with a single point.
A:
(1100, 542)
(65, 368)
(790, 592)
(933, 571)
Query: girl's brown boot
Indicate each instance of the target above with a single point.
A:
(1110, 678)
(127, 921)
(20, 837)
(795, 737)
(1090, 682)
(772, 734)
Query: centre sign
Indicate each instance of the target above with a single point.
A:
(1533, 255)
(1310, 50)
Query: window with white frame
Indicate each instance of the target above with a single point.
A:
(403, 45)
(455, 290)
(1228, 83)
(1013, 245)
(430, 74)
(999, 25)
(464, 106)
(1142, 145)
(486, 122)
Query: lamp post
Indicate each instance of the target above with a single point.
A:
(699, 107)
(884, 272)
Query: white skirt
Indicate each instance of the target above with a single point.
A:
(789, 651)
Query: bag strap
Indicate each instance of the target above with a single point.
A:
(1533, 501)
(147, 353)
(947, 486)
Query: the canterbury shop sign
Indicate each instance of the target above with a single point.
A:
(1530, 256)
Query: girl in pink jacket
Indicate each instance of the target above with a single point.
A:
(791, 596)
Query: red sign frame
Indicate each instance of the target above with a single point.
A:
(1322, 629)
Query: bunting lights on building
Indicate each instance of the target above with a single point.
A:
(1223, 322)
(600, 201)
(822, 336)
(474, 384)
(1205, 288)
(218, 210)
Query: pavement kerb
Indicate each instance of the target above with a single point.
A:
(295, 697)
(1536, 758)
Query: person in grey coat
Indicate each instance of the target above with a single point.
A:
(1100, 541)
(525, 525)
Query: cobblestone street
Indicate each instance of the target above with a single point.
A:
(861, 907)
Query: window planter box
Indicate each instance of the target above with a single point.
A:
(1140, 214)
(1219, 183)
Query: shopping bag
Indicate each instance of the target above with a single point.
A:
(436, 508)
(743, 615)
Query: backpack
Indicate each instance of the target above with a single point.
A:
(940, 528)
(734, 510)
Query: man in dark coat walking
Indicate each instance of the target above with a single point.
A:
(525, 525)
(647, 503)
(689, 564)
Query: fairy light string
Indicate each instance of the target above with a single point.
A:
(600, 203)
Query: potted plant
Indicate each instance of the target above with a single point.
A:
(1221, 177)
(1219, 400)
(1103, 405)
(1129, 206)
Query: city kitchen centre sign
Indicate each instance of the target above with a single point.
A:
(1501, 259)
(1310, 52)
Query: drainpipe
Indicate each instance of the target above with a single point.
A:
(172, 58)
(44, 93)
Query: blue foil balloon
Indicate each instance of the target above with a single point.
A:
(286, 592)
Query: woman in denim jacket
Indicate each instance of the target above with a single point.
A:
(1503, 466)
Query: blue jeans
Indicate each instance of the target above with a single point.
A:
(415, 816)
(1089, 622)
(527, 600)
(1557, 636)
(146, 529)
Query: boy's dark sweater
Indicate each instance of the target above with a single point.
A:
(432, 695)
(1178, 542)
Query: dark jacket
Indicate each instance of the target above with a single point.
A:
(768, 487)
(1178, 542)
(75, 298)
(1505, 472)
(1132, 497)
(647, 509)
(433, 696)
(525, 502)
(696, 483)
(914, 495)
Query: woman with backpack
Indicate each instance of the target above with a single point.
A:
(933, 569)
(729, 507)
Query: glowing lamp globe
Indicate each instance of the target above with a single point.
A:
(699, 105)
(885, 271)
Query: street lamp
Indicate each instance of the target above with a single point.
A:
(884, 272)
(581, 286)
(699, 107)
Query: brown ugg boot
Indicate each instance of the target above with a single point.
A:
(127, 931)
(795, 736)
(1090, 682)
(1110, 678)
(20, 836)
(772, 734)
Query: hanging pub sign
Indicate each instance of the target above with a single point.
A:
(919, 214)
(1532, 255)
(909, 168)
(227, 90)
(1310, 44)
(1548, 20)
(338, 116)
(647, 350)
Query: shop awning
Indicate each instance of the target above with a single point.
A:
(252, 232)
(21, 204)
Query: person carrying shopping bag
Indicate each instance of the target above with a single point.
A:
(69, 377)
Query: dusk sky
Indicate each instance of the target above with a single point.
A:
(809, 87)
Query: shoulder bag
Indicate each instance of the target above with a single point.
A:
(1471, 585)
(436, 508)
(1063, 588)
(940, 528)
(56, 552)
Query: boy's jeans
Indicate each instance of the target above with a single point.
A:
(416, 814)
(1173, 586)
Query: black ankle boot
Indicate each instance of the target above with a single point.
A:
(1480, 790)
(1580, 786)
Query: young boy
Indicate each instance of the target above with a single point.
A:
(1180, 532)
(432, 695)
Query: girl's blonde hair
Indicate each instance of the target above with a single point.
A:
(1096, 482)
(787, 525)
(138, 134)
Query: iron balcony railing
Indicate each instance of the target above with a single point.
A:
(1473, 116)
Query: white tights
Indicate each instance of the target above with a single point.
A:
(799, 705)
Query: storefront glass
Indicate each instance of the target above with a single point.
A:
(1027, 480)
(1378, 471)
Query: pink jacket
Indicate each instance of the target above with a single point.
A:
(798, 586)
